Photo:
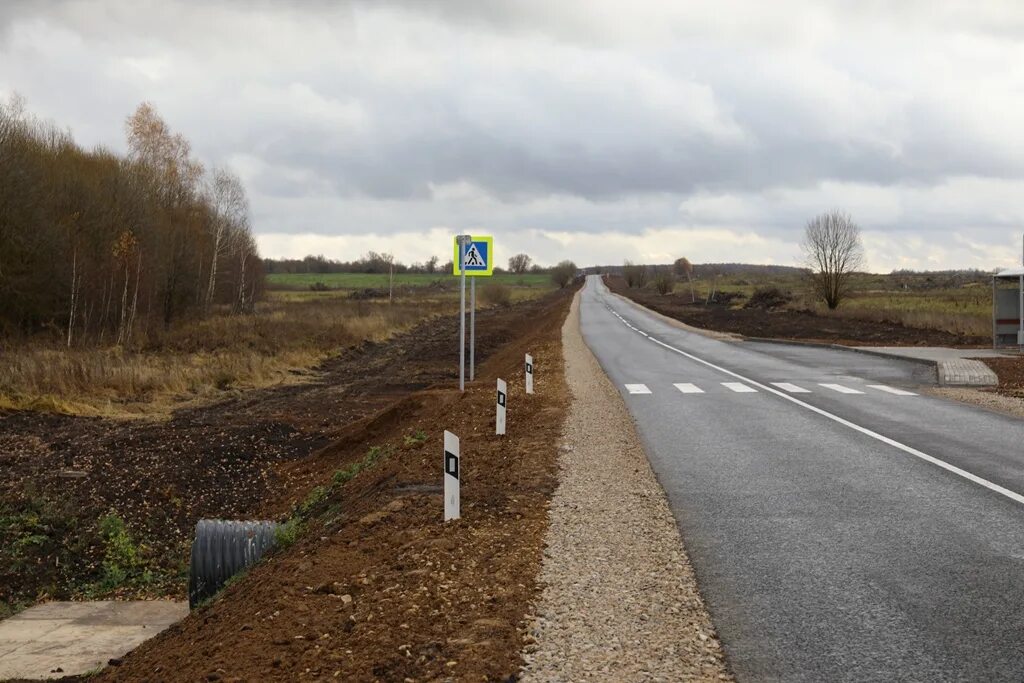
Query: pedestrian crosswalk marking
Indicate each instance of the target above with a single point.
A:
(891, 390)
(791, 388)
(739, 387)
(841, 389)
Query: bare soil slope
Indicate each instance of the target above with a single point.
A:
(378, 587)
(60, 474)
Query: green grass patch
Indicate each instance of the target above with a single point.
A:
(416, 438)
(335, 281)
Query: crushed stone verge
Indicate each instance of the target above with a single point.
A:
(1007, 405)
(620, 600)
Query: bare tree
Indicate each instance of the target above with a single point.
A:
(833, 251)
(431, 264)
(230, 214)
(519, 264)
(684, 268)
(635, 274)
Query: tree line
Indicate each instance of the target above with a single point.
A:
(96, 246)
(374, 262)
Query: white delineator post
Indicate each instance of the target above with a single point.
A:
(451, 476)
(499, 418)
(529, 374)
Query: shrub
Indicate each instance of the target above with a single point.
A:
(496, 294)
(635, 275)
(122, 557)
(563, 273)
(768, 298)
(664, 281)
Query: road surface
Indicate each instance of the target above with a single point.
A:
(842, 525)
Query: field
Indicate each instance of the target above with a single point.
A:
(221, 356)
(957, 304)
(299, 281)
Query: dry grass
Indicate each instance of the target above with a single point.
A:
(203, 360)
(965, 324)
(962, 309)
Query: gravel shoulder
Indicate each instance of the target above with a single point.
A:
(620, 600)
(1007, 405)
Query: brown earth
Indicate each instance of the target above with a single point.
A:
(789, 324)
(379, 587)
(1011, 375)
(60, 474)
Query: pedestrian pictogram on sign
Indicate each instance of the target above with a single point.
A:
(479, 257)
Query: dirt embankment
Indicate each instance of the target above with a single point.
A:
(378, 587)
(59, 475)
(789, 324)
(1011, 375)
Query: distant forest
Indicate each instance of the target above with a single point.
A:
(375, 262)
(95, 245)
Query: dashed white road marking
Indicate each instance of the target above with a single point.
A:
(892, 390)
(688, 388)
(841, 389)
(739, 387)
(980, 481)
(791, 388)
(637, 389)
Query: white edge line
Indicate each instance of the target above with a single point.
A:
(1016, 497)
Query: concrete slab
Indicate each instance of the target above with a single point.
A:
(954, 367)
(66, 638)
(937, 353)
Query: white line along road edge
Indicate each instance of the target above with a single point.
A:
(992, 486)
(529, 374)
(499, 416)
(451, 476)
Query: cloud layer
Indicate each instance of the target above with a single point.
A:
(584, 129)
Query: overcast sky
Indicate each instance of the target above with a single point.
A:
(584, 129)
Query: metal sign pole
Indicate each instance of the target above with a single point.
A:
(462, 312)
(1020, 333)
(472, 328)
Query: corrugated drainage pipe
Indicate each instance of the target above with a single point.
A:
(221, 549)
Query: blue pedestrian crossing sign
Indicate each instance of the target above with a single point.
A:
(479, 257)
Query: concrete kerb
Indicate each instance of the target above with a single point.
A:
(841, 347)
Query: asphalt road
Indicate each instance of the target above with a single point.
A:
(836, 536)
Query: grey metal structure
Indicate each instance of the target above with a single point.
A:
(1008, 308)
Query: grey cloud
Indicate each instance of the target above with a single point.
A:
(559, 115)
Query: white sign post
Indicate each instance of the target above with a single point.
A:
(460, 244)
(472, 328)
(451, 476)
(529, 374)
(499, 418)
(474, 257)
